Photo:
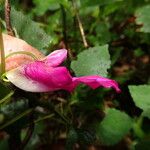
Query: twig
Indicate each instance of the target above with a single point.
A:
(2, 54)
(9, 28)
(49, 106)
(64, 23)
(64, 26)
(80, 24)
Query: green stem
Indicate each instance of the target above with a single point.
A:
(6, 97)
(137, 127)
(51, 107)
(2, 53)
(64, 25)
(62, 117)
(44, 118)
(16, 118)
(64, 31)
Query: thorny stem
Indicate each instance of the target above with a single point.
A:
(7, 18)
(2, 53)
(80, 24)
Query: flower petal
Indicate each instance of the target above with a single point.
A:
(11, 45)
(38, 77)
(54, 78)
(93, 82)
(17, 77)
(56, 58)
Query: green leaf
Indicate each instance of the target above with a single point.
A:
(97, 2)
(141, 98)
(114, 127)
(42, 7)
(102, 35)
(143, 18)
(94, 61)
(29, 30)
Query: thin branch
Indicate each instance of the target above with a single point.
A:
(49, 106)
(9, 28)
(64, 23)
(2, 54)
(82, 31)
(64, 26)
(80, 24)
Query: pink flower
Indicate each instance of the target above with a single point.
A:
(47, 74)
(11, 45)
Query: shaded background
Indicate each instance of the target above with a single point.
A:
(116, 45)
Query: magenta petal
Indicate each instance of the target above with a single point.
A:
(56, 58)
(54, 78)
(94, 82)
(17, 77)
(39, 77)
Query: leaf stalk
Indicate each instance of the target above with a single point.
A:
(2, 54)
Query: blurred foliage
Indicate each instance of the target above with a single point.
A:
(143, 18)
(117, 33)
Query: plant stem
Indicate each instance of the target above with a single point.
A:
(9, 28)
(51, 107)
(44, 118)
(80, 24)
(62, 117)
(64, 26)
(16, 118)
(64, 30)
(2, 53)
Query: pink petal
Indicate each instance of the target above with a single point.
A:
(56, 58)
(54, 78)
(93, 82)
(39, 77)
(11, 45)
(17, 78)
